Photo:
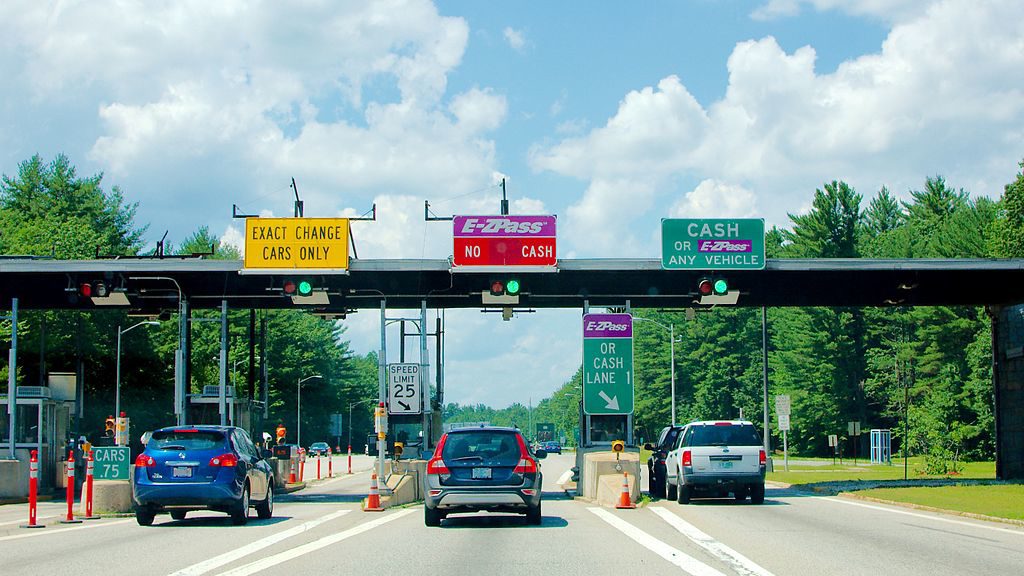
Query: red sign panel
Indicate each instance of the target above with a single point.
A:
(504, 241)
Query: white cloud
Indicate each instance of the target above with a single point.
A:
(887, 10)
(943, 95)
(714, 199)
(514, 38)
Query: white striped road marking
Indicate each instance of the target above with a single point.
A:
(44, 532)
(304, 549)
(218, 561)
(925, 516)
(688, 563)
(737, 561)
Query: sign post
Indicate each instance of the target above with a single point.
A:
(712, 244)
(608, 364)
(404, 389)
(782, 407)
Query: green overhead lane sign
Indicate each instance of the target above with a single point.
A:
(712, 244)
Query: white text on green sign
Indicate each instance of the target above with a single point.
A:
(712, 244)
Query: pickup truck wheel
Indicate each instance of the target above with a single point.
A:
(670, 489)
(757, 493)
(683, 494)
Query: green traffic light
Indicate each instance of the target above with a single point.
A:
(721, 286)
(512, 287)
(305, 288)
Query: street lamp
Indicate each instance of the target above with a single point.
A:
(672, 346)
(298, 407)
(117, 392)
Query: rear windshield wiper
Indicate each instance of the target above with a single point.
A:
(172, 447)
(467, 458)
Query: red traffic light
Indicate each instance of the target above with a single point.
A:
(85, 290)
(497, 288)
(288, 288)
(705, 287)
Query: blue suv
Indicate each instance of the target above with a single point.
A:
(188, 468)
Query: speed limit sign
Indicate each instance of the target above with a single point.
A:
(404, 389)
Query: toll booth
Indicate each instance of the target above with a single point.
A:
(204, 408)
(42, 421)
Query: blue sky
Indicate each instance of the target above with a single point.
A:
(611, 115)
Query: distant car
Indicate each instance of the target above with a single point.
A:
(551, 446)
(714, 458)
(319, 449)
(656, 462)
(185, 468)
(486, 468)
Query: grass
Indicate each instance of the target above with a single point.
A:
(804, 473)
(999, 500)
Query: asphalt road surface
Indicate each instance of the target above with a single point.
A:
(321, 530)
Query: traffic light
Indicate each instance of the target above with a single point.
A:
(110, 424)
(297, 287)
(505, 287)
(712, 286)
(97, 289)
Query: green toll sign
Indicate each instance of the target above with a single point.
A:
(607, 364)
(110, 463)
(712, 244)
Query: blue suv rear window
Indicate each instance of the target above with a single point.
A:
(501, 446)
(186, 440)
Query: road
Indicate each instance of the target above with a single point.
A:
(321, 530)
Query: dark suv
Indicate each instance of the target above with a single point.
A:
(656, 463)
(485, 468)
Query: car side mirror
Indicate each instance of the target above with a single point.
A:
(541, 454)
(648, 446)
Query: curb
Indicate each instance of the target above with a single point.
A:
(971, 515)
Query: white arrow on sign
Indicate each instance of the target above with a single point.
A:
(613, 402)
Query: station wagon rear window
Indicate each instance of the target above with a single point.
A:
(186, 440)
(481, 445)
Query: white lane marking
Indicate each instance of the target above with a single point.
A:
(45, 532)
(925, 516)
(270, 561)
(737, 561)
(218, 561)
(688, 563)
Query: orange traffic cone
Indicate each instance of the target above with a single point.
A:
(624, 499)
(291, 475)
(373, 500)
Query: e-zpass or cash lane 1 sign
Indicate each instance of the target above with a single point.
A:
(712, 244)
(608, 364)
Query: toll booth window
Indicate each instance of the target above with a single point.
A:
(607, 428)
(5, 424)
(27, 424)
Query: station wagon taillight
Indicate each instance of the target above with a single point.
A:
(228, 460)
(144, 461)
(436, 465)
(762, 458)
(687, 458)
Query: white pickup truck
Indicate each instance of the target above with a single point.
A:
(714, 458)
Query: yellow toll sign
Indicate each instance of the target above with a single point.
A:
(296, 243)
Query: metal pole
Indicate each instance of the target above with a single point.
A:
(298, 413)
(424, 380)
(12, 371)
(672, 348)
(222, 393)
(382, 384)
(764, 367)
(117, 377)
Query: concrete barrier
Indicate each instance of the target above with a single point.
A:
(404, 482)
(111, 497)
(14, 478)
(602, 476)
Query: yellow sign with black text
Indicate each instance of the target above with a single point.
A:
(296, 243)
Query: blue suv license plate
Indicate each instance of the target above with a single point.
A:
(481, 473)
(182, 472)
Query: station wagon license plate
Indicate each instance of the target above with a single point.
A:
(182, 472)
(725, 465)
(481, 473)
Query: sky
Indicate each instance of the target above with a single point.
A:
(609, 115)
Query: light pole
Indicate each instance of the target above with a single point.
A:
(117, 386)
(298, 408)
(672, 347)
(350, 429)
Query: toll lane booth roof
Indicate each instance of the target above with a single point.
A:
(151, 285)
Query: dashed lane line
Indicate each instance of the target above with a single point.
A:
(737, 561)
(688, 563)
(299, 551)
(226, 558)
